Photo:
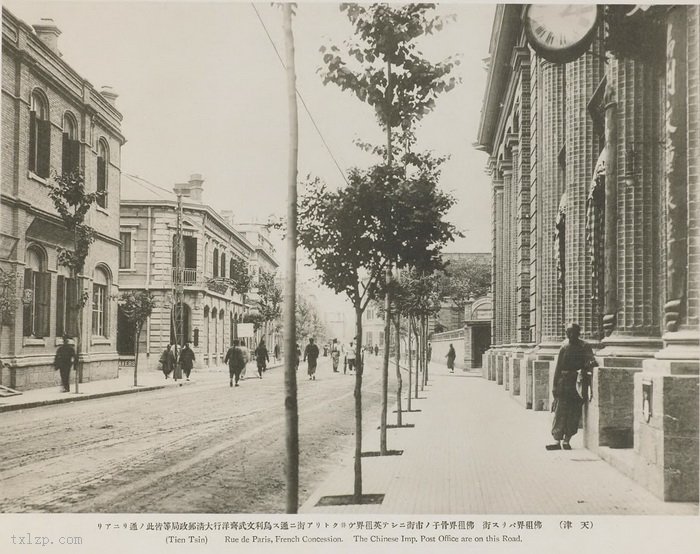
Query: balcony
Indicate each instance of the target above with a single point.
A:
(187, 277)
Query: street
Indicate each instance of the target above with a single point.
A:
(203, 447)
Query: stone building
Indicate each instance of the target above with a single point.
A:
(54, 121)
(211, 309)
(594, 172)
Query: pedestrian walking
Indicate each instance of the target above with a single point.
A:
(277, 352)
(64, 360)
(167, 360)
(261, 357)
(429, 352)
(451, 355)
(335, 355)
(311, 354)
(376, 350)
(236, 363)
(187, 360)
(575, 364)
(350, 358)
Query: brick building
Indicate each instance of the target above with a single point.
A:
(594, 173)
(211, 308)
(53, 120)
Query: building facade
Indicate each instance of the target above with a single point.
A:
(594, 174)
(54, 122)
(210, 245)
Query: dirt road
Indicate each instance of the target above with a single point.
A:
(203, 447)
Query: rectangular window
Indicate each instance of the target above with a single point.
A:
(99, 301)
(70, 154)
(39, 145)
(102, 181)
(190, 245)
(125, 251)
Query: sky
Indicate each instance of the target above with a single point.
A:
(202, 90)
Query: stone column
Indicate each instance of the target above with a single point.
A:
(550, 189)
(582, 78)
(497, 254)
(506, 248)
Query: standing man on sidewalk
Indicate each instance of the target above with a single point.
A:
(187, 360)
(64, 360)
(575, 357)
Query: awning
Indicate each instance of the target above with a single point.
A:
(47, 232)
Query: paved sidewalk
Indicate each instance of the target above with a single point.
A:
(148, 380)
(474, 450)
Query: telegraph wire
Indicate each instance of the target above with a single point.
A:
(303, 102)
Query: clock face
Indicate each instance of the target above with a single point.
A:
(560, 32)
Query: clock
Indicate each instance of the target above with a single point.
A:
(560, 33)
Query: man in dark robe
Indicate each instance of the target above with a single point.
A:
(236, 362)
(64, 360)
(311, 354)
(187, 360)
(574, 356)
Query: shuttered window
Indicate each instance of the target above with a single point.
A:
(125, 251)
(66, 307)
(70, 155)
(37, 308)
(39, 136)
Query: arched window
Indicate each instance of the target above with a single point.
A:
(71, 145)
(39, 135)
(66, 304)
(100, 303)
(223, 264)
(231, 268)
(37, 294)
(215, 256)
(102, 172)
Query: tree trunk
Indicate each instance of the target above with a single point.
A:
(136, 352)
(410, 363)
(399, 384)
(423, 353)
(385, 367)
(417, 337)
(78, 327)
(290, 375)
(358, 406)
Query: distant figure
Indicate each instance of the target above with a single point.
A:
(376, 350)
(451, 355)
(574, 356)
(64, 360)
(429, 352)
(261, 357)
(311, 354)
(297, 357)
(325, 351)
(277, 352)
(236, 362)
(167, 360)
(187, 360)
(350, 358)
(335, 354)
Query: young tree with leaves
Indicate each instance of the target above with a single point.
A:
(269, 299)
(382, 65)
(137, 307)
(73, 202)
(463, 280)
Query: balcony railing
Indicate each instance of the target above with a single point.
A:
(186, 277)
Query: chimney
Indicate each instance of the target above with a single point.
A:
(192, 189)
(47, 32)
(108, 94)
(228, 216)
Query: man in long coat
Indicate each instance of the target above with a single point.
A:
(575, 357)
(64, 360)
(311, 354)
(236, 362)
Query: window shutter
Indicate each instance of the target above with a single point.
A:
(75, 155)
(32, 141)
(44, 149)
(60, 303)
(66, 166)
(71, 308)
(27, 310)
(43, 307)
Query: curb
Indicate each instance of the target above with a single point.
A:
(39, 403)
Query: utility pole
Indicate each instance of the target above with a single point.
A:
(178, 289)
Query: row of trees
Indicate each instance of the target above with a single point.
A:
(389, 216)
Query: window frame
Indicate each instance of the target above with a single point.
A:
(100, 304)
(102, 179)
(130, 250)
(39, 134)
